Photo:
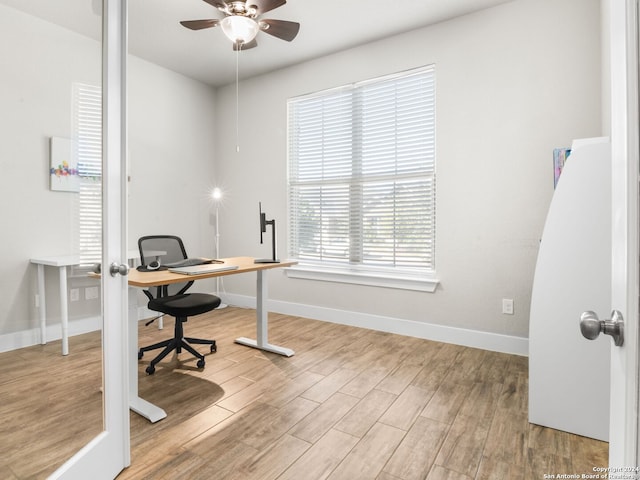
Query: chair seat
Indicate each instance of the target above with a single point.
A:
(185, 305)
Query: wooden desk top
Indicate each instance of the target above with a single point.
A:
(165, 277)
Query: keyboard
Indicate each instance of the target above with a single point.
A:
(190, 262)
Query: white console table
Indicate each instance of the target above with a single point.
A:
(61, 262)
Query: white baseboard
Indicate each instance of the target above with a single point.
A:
(429, 331)
(27, 338)
(440, 333)
(78, 326)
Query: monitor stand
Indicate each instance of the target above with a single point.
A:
(273, 259)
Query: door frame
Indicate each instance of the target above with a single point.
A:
(624, 422)
(108, 454)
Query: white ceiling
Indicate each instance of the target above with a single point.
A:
(327, 26)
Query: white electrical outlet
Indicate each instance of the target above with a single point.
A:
(37, 301)
(507, 306)
(91, 293)
(74, 294)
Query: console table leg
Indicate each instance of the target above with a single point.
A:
(64, 310)
(42, 305)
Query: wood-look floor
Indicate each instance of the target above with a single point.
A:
(351, 404)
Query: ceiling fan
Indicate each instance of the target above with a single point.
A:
(242, 21)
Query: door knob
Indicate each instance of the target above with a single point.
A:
(591, 326)
(122, 269)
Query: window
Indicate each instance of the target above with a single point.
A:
(87, 136)
(362, 182)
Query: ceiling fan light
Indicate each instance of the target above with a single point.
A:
(239, 29)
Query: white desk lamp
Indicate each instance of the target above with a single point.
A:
(217, 197)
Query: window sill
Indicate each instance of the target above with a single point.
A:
(307, 272)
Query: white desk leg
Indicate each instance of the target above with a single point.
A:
(262, 314)
(137, 404)
(262, 322)
(64, 310)
(42, 305)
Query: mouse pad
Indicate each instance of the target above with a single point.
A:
(143, 268)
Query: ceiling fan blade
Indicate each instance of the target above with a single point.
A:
(280, 28)
(199, 24)
(245, 46)
(264, 6)
(219, 4)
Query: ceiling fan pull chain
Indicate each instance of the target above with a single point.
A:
(237, 101)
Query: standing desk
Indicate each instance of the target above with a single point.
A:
(164, 277)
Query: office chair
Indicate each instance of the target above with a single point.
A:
(172, 299)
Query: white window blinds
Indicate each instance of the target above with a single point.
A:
(87, 128)
(362, 175)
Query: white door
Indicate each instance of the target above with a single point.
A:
(624, 421)
(107, 454)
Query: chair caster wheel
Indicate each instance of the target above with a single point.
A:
(214, 349)
(150, 369)
(200, 363)
(140, 353)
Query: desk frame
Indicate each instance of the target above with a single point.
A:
(150, 279)
(262, 322)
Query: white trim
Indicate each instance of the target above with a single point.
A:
(624, 443)
(30, 337)
(363, 278)
(440, 333)
(624, 428)
(109, 453)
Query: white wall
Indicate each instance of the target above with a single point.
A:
(171, 145)
(171, 155)
(513, 83)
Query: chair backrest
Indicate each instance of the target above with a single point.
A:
(165, 249)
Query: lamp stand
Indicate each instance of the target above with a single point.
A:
(222, 305)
